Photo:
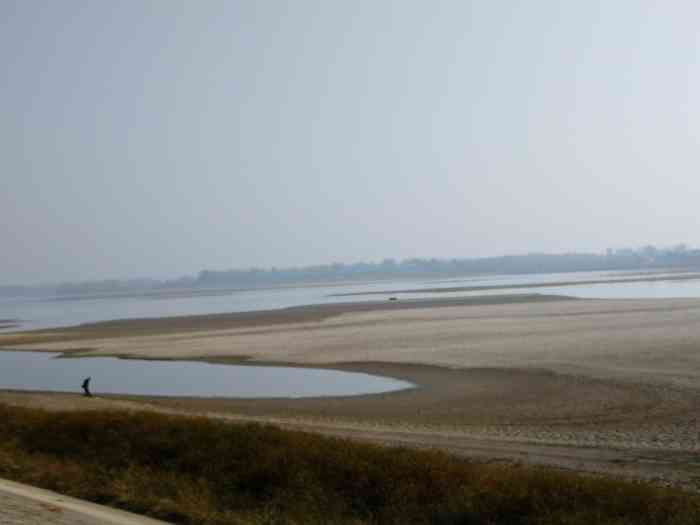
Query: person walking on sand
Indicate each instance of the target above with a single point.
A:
(86, 387)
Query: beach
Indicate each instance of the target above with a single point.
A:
(520, 378)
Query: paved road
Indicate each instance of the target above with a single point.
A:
(25, 505)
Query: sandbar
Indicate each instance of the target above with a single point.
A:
(489, 287)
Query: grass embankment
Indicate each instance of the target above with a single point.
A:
(202, 471)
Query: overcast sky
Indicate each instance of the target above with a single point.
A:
(157, 138)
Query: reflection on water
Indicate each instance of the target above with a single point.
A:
(44, 371)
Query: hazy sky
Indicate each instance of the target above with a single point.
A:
(156, 138)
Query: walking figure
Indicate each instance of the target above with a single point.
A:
(86, 387)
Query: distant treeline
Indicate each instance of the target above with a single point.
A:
(512, 264)
(648, 257)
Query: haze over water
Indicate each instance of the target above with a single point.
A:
(161, 138)
(55, 312)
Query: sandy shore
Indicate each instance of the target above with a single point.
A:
(650, 341)
(614, 375)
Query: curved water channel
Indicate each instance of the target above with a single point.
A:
(110, 375)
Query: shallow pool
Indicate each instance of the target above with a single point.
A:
(47, 371)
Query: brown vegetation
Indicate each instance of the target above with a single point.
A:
(195, 470)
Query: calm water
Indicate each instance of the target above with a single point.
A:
(48, 313)
(45, 313)
(633, 290)
(44, 371)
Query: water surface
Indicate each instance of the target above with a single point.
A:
(38, 313)
(46, 371)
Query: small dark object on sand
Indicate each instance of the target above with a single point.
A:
(393, 298)
(86, 387)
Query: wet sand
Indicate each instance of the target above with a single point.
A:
(619, 376)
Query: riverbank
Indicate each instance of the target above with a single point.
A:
(249, 473)
(608, 374)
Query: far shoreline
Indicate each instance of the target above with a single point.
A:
(483, 288)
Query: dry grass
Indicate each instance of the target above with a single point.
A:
(195, 470)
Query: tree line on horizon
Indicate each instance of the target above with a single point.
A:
(648, 257)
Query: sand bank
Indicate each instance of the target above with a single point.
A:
(490, 287)
(281, 316)
(654, 341)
